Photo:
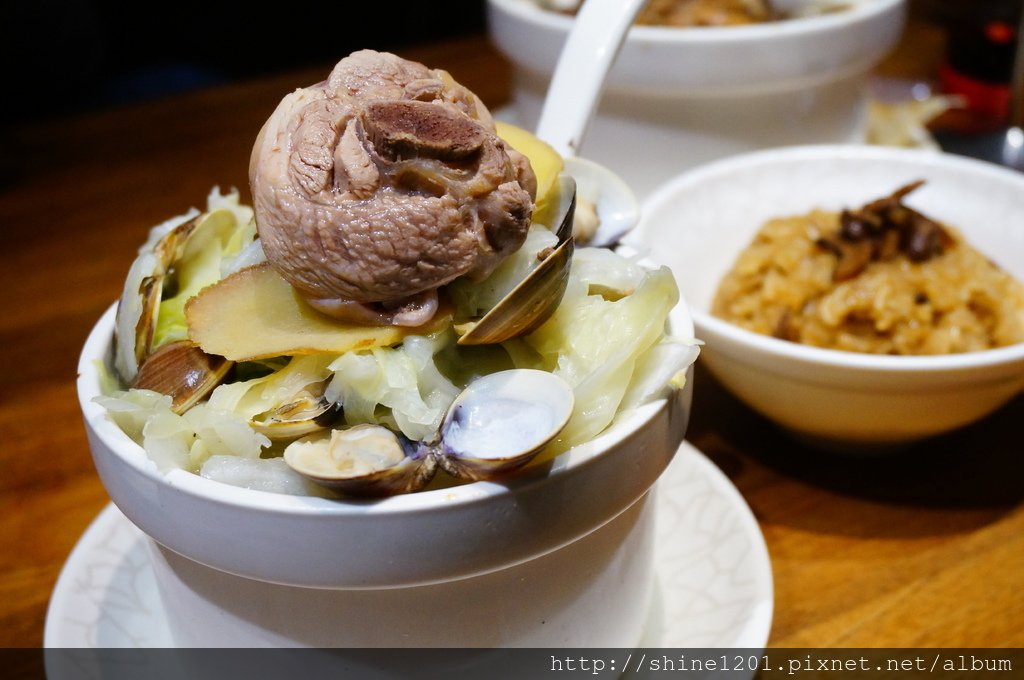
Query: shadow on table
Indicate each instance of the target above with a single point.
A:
(968, 477)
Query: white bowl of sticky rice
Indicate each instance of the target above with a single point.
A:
(859, 297)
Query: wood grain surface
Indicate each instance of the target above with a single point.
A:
(923, 548)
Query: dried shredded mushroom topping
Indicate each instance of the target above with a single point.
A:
(881, 230)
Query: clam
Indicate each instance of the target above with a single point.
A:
(595, 208)
(607, 208)
(137, 309)
(303, 414)
(364, 460)
(496, 425)
(286, 403)
(177, 252)
(502, 421)
(536, 297)
(182, 371)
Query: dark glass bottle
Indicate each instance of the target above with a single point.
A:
(978, 62)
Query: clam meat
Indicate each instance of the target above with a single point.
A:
(363, 460)
(606, 210)
(287, 403)
(305, 414)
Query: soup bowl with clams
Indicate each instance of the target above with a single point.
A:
(859, 297)
(379, 408)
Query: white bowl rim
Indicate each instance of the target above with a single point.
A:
(856, 360)
(129, 452)
(777, 30)
(821, 356)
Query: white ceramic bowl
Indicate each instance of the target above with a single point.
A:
(678, 97)
(700, 221)
(563, 554)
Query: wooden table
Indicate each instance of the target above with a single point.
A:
(920, 549)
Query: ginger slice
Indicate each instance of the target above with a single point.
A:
(255, 314)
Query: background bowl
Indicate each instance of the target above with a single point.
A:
(241, 567)
(684, 96)
(699, 222)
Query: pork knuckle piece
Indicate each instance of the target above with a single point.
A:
(387, 180)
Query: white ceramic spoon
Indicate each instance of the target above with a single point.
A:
(594, 41)
(597, 34)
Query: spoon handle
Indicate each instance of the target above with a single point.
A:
(594, 41)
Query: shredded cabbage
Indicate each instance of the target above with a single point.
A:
(596, 336)
(181, 441)
(131, 409)
(227, 229)
(398, 387)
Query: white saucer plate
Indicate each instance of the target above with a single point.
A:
(714, 579)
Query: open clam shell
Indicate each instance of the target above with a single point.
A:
(595, 208)
(607, 209)
(363, 460)
(535, 298)
(182, 371)
(502, 421)
(302, 415)
(137, 309)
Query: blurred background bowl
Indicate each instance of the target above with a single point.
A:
(700, 221)
(678, 97)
